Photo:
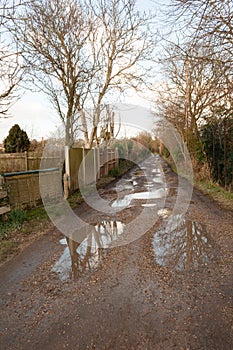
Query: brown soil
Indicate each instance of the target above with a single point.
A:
(129, 300)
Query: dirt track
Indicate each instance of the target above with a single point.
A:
(166, 290)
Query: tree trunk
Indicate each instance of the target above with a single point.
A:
(225, 152)
(84, 126)
(69, 136)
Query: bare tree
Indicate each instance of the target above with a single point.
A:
(122, 46)
(193, 86)
(198, 89)
(52, 36)
(82, 52)
(212, 18)
(211, 27)
(208, 45)
(10, 66)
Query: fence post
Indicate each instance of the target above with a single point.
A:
(26, 160)
(98, 162)
(66, 186)
(106, 162)
(95, 151)
(116, 158)
(95, 161)
(67, 164)
(84, 167)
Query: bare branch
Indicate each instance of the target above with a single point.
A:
(81, 52)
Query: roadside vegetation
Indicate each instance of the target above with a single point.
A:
(20, 229)
(203, 182)
(196, 94)
(216, 192)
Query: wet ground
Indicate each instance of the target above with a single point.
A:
(169, 288)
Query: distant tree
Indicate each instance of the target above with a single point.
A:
(146, 140)
(37, 146)
(17, 140)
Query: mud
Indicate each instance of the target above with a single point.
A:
(169, 289)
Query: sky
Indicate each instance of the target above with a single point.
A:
(34, 113)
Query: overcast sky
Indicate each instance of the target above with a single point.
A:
(35, 115)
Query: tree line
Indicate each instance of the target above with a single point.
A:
(197, 95)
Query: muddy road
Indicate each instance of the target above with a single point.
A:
(169, 288)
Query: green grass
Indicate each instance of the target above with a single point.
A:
(124, 166)
(20, 223)
(37, 214)
(17, 218)
(213, 190)
(114, 172)
(216, 192)
(75, 199)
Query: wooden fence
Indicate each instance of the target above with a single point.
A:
(95, 162)
(108, 160)
(13, 162)
(24, 188)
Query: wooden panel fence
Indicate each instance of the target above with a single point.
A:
(96, 162)
(24, 190)
(76, 157)
(24, 187)
(13, 162)
(108, 160)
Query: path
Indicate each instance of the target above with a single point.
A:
(169, 289)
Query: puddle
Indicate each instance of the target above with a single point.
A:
(182, 244)
(157, 171)
(149, 205)
(160, 193)
(158, 180)
(126, 200)
(148, 184)
(78, 258)
(123, 202)
(124, 185)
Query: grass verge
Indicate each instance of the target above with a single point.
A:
(20, 228)
(216, 192)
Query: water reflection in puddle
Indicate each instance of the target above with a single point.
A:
(126, 200)
(182, 244)
(124, 185)
(149, 205)
(78, 258)
(159, 193)
(158, 180)
(148, 184)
